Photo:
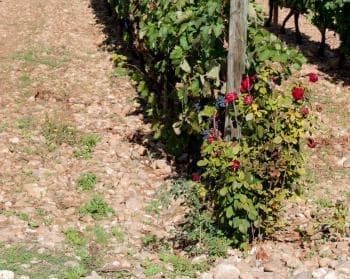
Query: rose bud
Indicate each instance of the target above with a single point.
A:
(304, 111)
(298, 93)
(196, 177)
(313, 77)
(311, 143)
(211, 139)
(231, 97)
(236, 165)
(248, 100)
(246, 84)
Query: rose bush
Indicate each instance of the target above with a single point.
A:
(249, 179)
(183, 89)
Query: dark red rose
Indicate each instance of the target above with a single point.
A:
(298, 93)
(247, 84)
(311, 143)
(236, 165)
(196, 177)
(248, 100)
(211, 139)
(231, 97)
(313, 77)
(304, 111)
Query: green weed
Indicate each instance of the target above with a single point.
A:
(87, 181)
(86, 146)
(151, 269)
(75, 237)
(118, 234)
(101, 236)
(97, 208)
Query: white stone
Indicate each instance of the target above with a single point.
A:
(93, 275)
(331, 275)
(226, 271)
(6, 274)
(206, 275)
(343, 268)
(319, 273)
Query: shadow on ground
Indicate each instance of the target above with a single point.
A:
(115, 43)
(328, 64)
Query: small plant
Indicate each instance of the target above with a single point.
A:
(97, 208)
(57, 133)
(323, 203)
(183, 266)
(74, 272)
(75, 237)
(87, 181)
(101, 236)
(149, 239)
(118, 233)
(86, 146)
(152, 269)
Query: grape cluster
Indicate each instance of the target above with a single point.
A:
(198, 107)
(221, 102)
(205, 134)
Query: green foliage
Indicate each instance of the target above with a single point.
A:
(250, 179)
(57, 133)
(149, 239)
(186, 60)
(199, 234)
(118, 233)
(183, 45)
(75, 237)
(87, 181)
(97, 208)
(151, 269)
(101, 236)
(86, 146)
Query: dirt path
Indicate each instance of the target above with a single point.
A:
(66, 120)
(64, 113)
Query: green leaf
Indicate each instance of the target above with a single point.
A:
(277, 140)
(214, 73)
(202, 163)
(185, 66)
(249, 117)
(208, 111)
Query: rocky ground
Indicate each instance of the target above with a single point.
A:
(80, 198)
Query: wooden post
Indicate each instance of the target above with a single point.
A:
(275, 13)
(236, 60)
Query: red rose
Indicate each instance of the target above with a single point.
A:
(311, 143)
(304, 111)
(298, 93)
(211, 139)
(236, 165)
(196, 177)
(248, 100)
(247, 84)
(313, 77)
(231, 97)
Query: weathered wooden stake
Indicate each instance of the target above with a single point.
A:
(236, 60)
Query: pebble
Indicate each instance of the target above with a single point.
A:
(319, 273)
(226, 271)
(206, 275)
(303, 275)
(6, 274)
(93, 275)
(346, 163)
(331, 275)
(343, 268)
